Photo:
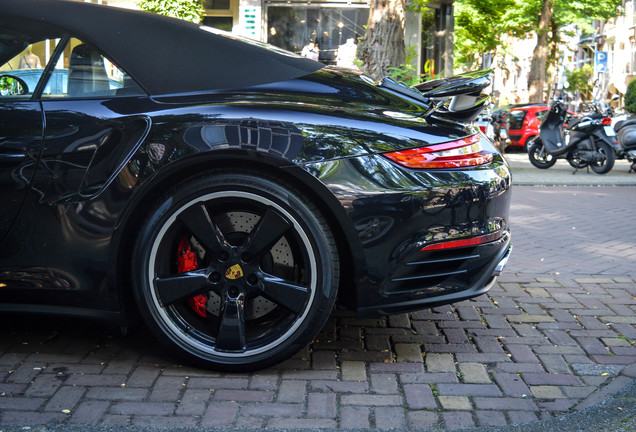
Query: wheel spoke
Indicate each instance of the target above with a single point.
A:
(264, 236)
(231, 335)
(284, 293)
(200, 224)
(177, 287)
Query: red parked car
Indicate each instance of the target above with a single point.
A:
(522, 123)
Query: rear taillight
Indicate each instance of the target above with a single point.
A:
(466, 152)
(482, 129)
(473, 241)
(607, 121)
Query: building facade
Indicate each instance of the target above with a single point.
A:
(329, 26)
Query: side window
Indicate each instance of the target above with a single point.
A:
(540, 114)
(25, 49)
(82, 71)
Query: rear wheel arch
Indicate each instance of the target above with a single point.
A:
(352, 267)
(527, 143)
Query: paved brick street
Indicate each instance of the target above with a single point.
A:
(556, 334)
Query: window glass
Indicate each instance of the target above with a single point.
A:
(221, 23)
(541, 114)
(83, 72)
(25, 49)
(216, 4)
(515, 119)
(320, 33)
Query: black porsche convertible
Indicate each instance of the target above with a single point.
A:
(228, 191)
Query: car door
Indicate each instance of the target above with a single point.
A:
(25, 48)
(91, 124)
(92, 127)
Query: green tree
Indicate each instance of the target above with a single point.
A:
(479, 26)
(630, 98)
(581, 80)
(189, 10)
(485, 20)
(546, 18)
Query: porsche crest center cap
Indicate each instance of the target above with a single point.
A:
(234, 272)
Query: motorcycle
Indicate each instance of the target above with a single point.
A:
(498, 124)
(626, 132)
(584, 142)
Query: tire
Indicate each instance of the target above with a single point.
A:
(264, 264)
(606, 165)
(526, 145)
(538, 156)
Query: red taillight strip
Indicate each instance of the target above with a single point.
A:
(473, 241)
(449, 145)
(607, 121)
(465, 152)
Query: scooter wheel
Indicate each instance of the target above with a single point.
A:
(538, 155)
(607, 158)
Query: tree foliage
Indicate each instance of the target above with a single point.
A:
(526, 18)
(581, 80)
(189, 10)
(630, 97)
(480, 24)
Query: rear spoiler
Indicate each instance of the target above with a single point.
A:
(458, 98)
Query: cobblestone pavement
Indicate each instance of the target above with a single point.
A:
(548, 339)
(575, 231)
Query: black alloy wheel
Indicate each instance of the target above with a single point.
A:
(606, 157)
(262, 275)
(538, 155)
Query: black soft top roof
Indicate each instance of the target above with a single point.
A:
(166, 55)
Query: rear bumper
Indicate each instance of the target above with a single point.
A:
(452, 289)
(401, 217)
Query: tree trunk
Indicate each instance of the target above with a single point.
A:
(384, 45)
(536, 80)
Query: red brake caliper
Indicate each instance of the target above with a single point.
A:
(187, 261)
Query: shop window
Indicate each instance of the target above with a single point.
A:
(221, 23)
(293, 28)
(217, 4)
(221, 14)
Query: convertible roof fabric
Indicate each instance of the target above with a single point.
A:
(166, 55)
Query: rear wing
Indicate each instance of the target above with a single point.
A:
(458, 98)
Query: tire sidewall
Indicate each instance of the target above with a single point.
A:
(534, 146)
(608, 151)
(297, 206)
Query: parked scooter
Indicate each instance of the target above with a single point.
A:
(598, 109)
(626, 132)
(583, 144)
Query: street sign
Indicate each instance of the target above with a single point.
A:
(600, 61)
